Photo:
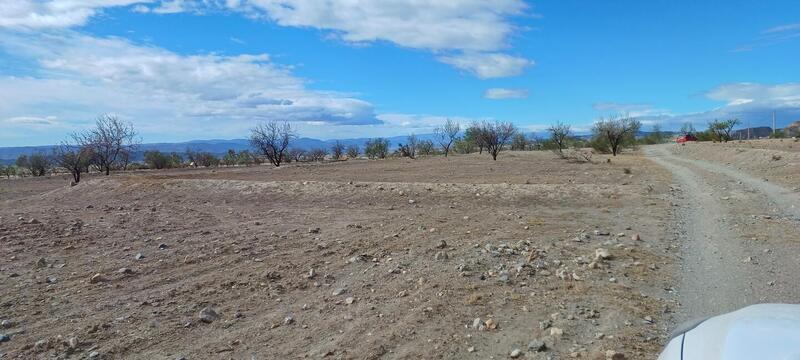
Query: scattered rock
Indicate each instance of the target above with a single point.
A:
(554, 331)
(94, 354)
(515, 353)
(636, 237)
(602, 254)
(441, 255)
(338, 291)
(313, 231)
(208, 315)
(311, 274)
(139, 256)
(349, 300)
(537, 345)
(42, 262)
(288, 320)
(5, 324)
(162, 246)
(471, 349)
(4, 338)
(51, 280)
(125, 270)
(442, 244)
(613, 355)
(96, 278)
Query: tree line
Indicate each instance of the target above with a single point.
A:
(110, 144)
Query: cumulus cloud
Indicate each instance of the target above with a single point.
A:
(502, 93)
(81, 76)
(38, 14)
(466, 34)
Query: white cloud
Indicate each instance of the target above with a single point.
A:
(467, 34)
(488, 65)
(751, 103)
(37, 14)
(81, 76)
(501, 93)
(33, 120)
(782, 28)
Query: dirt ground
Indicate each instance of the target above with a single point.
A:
(391, 259)
(737, 224)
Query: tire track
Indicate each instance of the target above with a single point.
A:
(718, 270)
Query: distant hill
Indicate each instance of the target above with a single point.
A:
(755, 132)
(215, 146)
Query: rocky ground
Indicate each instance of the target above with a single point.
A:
(738, 223)
(453, 258)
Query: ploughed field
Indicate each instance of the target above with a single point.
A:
(454, 258)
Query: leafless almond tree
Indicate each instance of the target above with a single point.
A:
(72, 157)
(616, 131)
(496, 135)
(559, 134)
(272, 139)
(447, 134)
(337, 150)
(108, 141)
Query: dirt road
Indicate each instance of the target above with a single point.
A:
(739, 236)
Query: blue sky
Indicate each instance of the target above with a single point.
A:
(200, 69)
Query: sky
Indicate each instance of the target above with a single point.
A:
(180, 70)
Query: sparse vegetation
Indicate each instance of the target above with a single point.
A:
(109, 142)
(447, 134)
(35, 164)
(317, 154)
(157, 160)
(559, 134)
(353, 151)
(74, 158)
(615, 132)
(377, 148)
(720, 130)
(495, 136)
(337, 150)
(426, 148)
(272, 139)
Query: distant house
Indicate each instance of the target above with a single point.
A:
(793, 129)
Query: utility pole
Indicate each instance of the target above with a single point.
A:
(748, 129)
(773, 122)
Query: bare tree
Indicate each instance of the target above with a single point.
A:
(317, 154)
(272, 139)
(73, 157)
(337, 150)
(109, 141)
(559, 134)
(496, 135)
(617, 131)
(410, 148)
(296, 155)
(447, 134)
(353, 151)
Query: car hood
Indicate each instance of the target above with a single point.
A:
(764, 331)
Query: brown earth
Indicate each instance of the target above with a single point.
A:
(243, 242)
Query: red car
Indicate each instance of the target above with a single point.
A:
(684, 138)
